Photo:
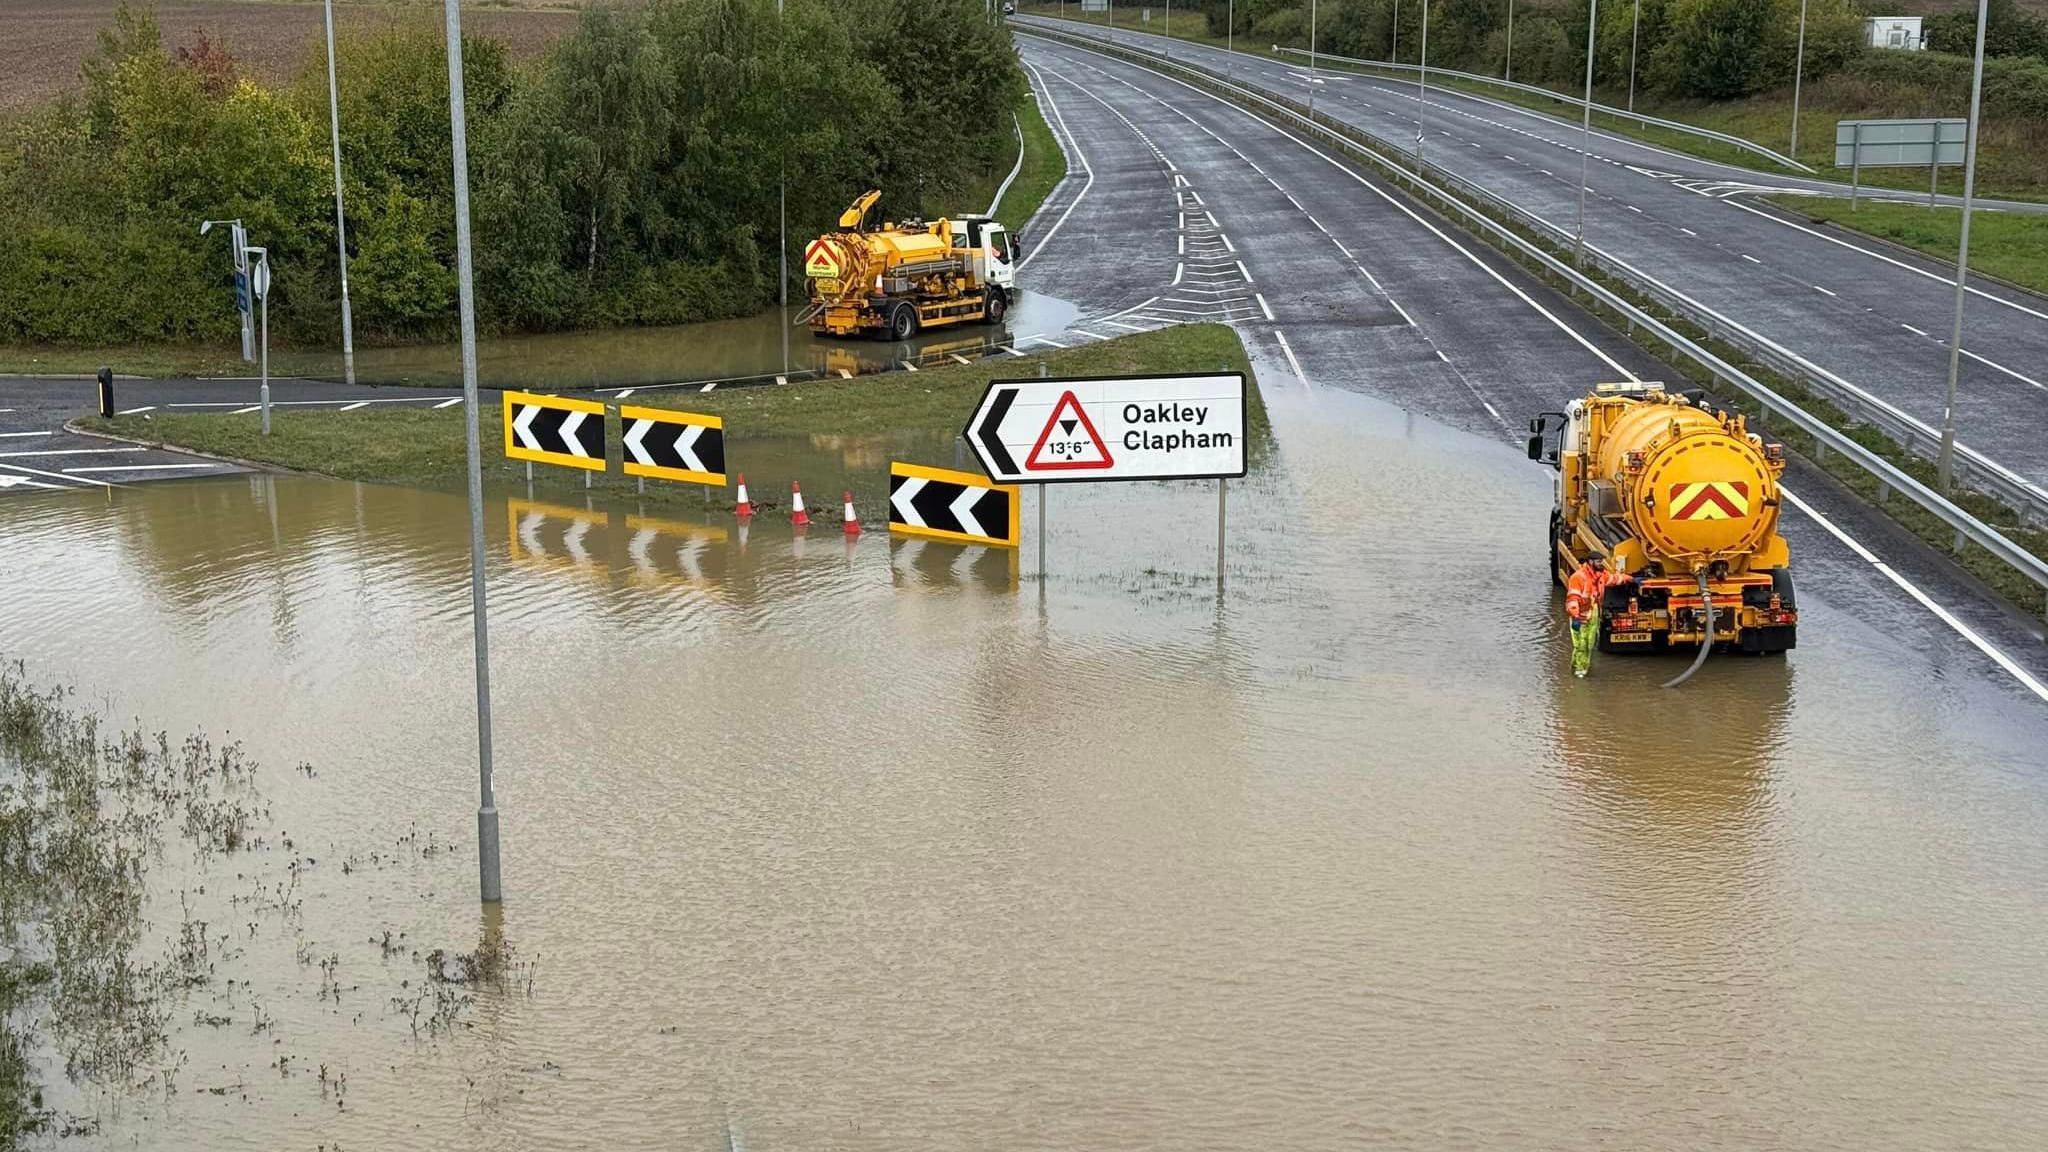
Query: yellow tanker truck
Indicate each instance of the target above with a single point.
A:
(895, 279)
(1685, 499)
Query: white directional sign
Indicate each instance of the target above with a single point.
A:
(1111, 428)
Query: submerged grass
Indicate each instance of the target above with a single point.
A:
(424, 448)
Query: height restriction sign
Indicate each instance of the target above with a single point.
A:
(1111, 428)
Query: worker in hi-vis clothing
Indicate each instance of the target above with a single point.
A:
(1582, 595)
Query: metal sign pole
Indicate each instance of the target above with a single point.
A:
(1509, 72)
(489, 883)
(1934, 181)
(1422, 86)
(1855, 162)
(1798, 67)
(1222, 501)
(263, 305)
(1945, 465)
(1041, 532)
(1311, 59)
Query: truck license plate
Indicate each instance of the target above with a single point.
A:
(1628, 638)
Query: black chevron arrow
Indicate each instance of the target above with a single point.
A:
(998, 457)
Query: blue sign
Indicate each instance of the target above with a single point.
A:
(242, 291)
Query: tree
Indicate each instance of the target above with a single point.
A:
(614, 91)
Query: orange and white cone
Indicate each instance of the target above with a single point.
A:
(852, 517)
(797, 515)
(745, 508)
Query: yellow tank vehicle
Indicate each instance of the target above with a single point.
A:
(895, 279)
(1685, 499)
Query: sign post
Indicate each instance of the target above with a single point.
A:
(1930, 143)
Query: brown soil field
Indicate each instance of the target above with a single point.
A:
(42, 42)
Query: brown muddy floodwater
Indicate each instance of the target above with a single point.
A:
(875, 845)
(713, 350)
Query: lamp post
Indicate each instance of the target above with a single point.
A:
(1421, 87)
(782, 191)
(1945, 464)
(489, 883)
(1798, 70)
(1311, 59)
(1585, 134)
(1509, 73)
(1394, 53)
(1635, 36)
(348, 341)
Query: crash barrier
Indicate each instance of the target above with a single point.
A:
(1436, 187)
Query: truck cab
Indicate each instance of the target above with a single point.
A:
(995, 248)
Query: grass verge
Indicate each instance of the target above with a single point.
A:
(424, 447)
(1993, 572)
(2009, 245)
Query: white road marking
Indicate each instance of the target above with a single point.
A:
(1039, 245)
(23, 481)
(69, 452)
(122, 412)
(1493, 412)
(1688, 232)
(24, 433)
(1409, 320)
(57, 475)
(1178, 271)
(1244, 272)
(1045, 340)
(449, 403)
(1633, 208)
(354, 406)
(1291, 361)
(1944, 615)
(909, 367)
(625, 392)
(843, 375)
(245, 411)
(961, 359)
(1227, 245)
(782, 381)
(1910, 328)
(2002, 368)
(146, 467)
(1822, 291)
(1751, 259)
(1263, 306)
(708, 387)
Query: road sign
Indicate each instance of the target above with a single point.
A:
(956, 506)
(242, 295)
(1900, 143)
(259, 277)
(671, 445)
(824, 258)
(1111, 428)
(552, 430)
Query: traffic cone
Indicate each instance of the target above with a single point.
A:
(744, 509)
(852, 517)
(797, 515)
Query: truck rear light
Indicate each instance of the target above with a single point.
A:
(1774, 451)
(1635, 460)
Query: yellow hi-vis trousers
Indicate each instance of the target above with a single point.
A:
(1585, 633)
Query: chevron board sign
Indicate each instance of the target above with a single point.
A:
(552, 430)
(671, 445)
(956, 506)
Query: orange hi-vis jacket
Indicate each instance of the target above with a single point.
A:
(1585, 588)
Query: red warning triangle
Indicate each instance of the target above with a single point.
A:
(1061, 447)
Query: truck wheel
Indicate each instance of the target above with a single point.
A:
(903, 322)
(998, 306)
(1781, 583)
(1554, 577)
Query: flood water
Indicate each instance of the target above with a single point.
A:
(878, 845)
(714, 350)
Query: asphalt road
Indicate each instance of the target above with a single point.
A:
(1355, 289)
(1877, 319)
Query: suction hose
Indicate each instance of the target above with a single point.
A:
(1706, 645)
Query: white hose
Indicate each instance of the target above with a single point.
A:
(1707, 645)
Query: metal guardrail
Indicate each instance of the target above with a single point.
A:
(1014, 168)
(1966, 526)
(1574, 101)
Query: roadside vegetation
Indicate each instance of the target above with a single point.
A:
(629, 176)
(2007, 245)
(1045, 165)
(424, 448)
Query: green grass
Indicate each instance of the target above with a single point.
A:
(2009, 245)
(159, 360)
(1044, 166)
(424, 447)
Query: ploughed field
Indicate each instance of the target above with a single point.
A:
(43, 41)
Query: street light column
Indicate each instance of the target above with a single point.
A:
(348, 342)
(1509, 74)
(489, 883)
(1585, 134)
(1945, 464)
(1635, 37)
(1798, 71)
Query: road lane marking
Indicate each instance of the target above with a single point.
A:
(69, 452)
(1263, 306)
(708, 387)
(1944, 615)
(122, 412)
(1689, 232)
(1910, 328)
(57, 475)
(2002, 368)
(146, 467)
(1751, 259)
(449, 403)
(354, 406)
(24, 433)
(961, 359)
(245, 411)
(1244, 272)
(909, 367)
(1291, 361)
(1075, 144)
(1822, 291)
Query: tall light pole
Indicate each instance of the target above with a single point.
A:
(1585, 133)
(1509, 74)
(1635, 37)
(489, 884)
(1798, 69)
(1421, 87)
(1945, 465)
(348, 339)
(1311, 59)
(1394, 53)
(1230, 28)
(782, 187)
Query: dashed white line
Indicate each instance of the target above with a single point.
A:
(1822, 291)
(1227, 245)
(625, 392)
(145, 467)
(1751, 259)
(1910, 328)
(1244, 272)
(354, 406)
(68, 452)
(1039, 245)
(24, 433)
(56, 475)
(909, 367)
(449, 403)
(1633, 208)
(245, 411)
(122, 412)
(1688, 232)
(708, 387)
(1291, 361)
(1263, 306)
